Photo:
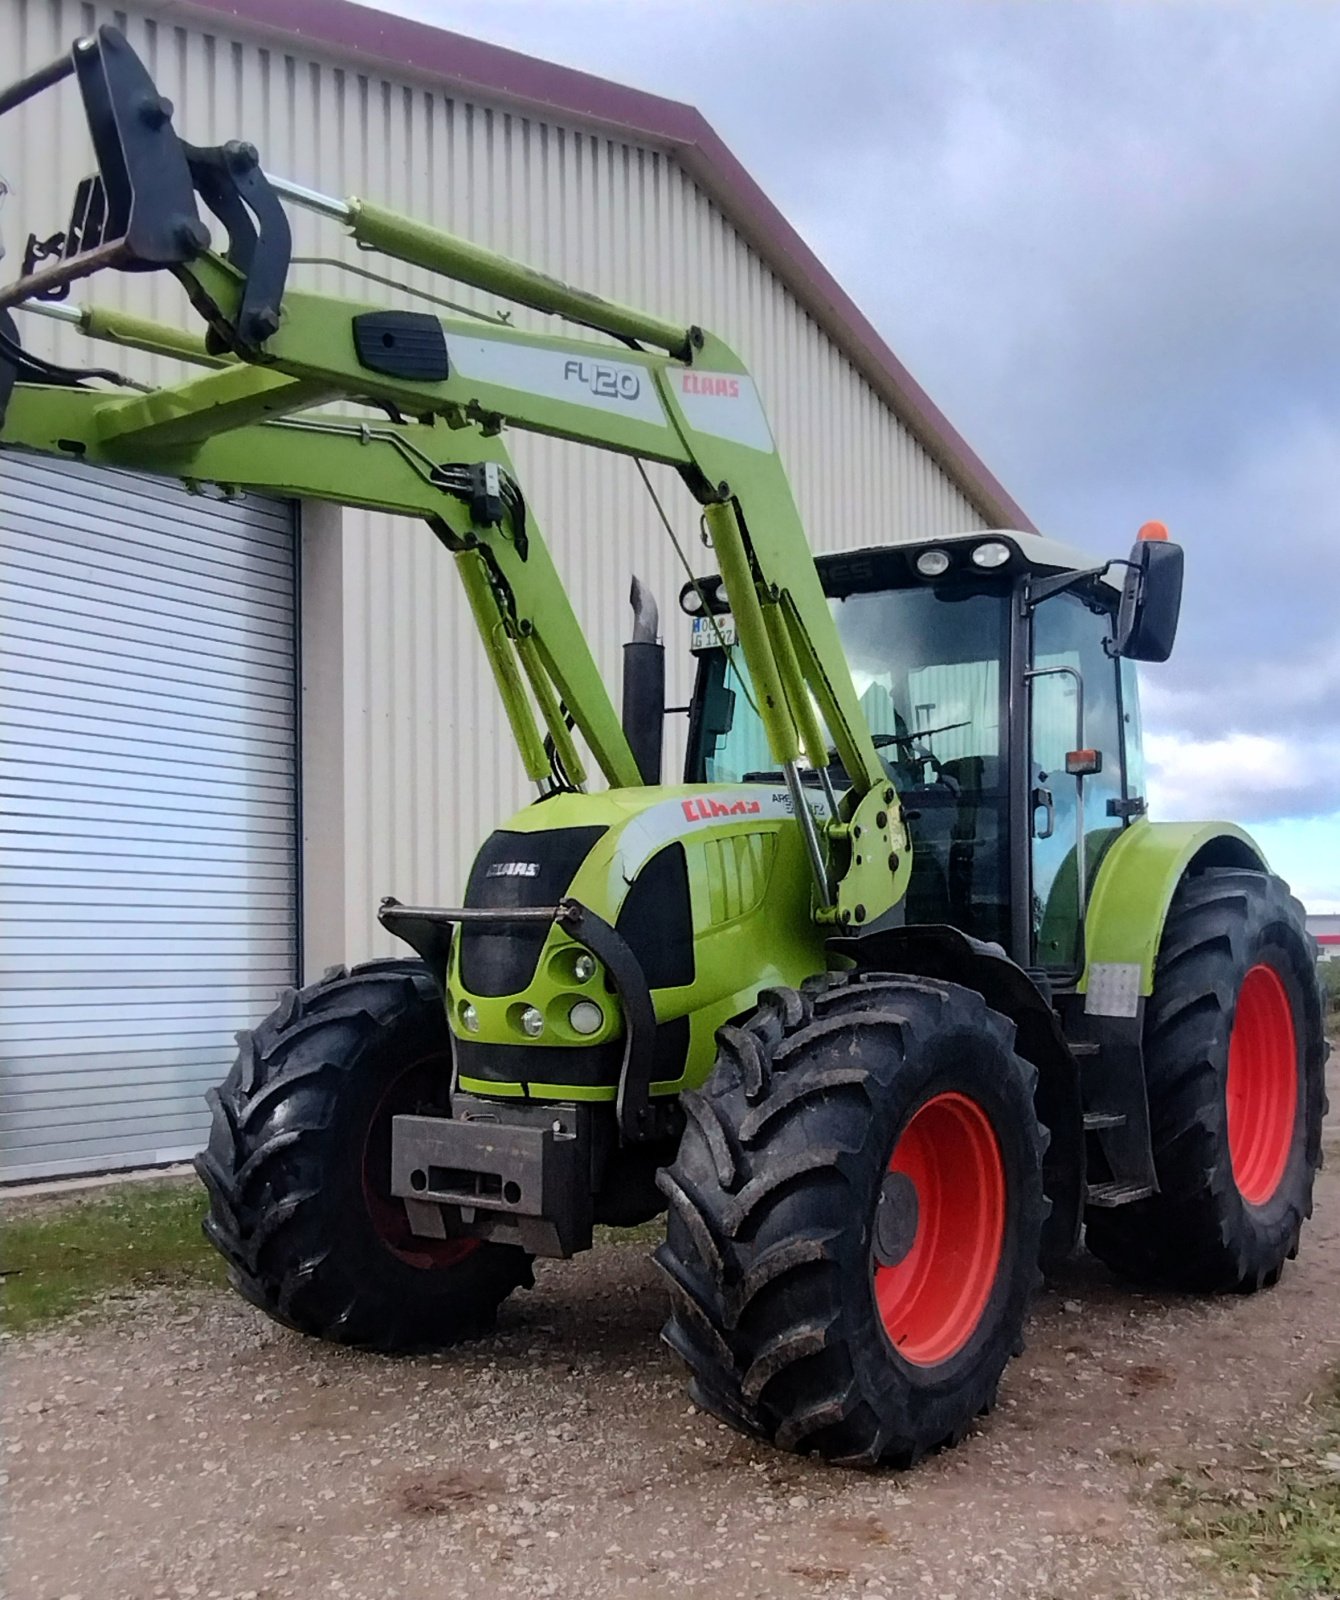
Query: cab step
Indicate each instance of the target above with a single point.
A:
(1117, 1194)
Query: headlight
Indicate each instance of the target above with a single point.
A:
(532, 1022)
(586, 1017)
(469, 1017)
(991, 554)
(584, 968)
(932, 563)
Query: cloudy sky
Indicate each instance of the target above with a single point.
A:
(1106, 238)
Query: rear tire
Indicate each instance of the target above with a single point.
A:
(298, 1168)
(855, 1218)
(1235, 1055)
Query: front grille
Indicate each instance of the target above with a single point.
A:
(513, 871)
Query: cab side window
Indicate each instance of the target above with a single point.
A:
(1132, 732)
(1067, 633)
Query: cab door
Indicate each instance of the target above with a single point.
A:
(1076, 770)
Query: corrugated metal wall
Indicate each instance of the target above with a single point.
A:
(148, 757)
(427, 769)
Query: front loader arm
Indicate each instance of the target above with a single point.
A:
(278, 352)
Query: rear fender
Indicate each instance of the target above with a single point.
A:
(1130, 898)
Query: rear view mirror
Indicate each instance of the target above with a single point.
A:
(1150, 602)
(718, 712)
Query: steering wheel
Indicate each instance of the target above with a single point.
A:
(923, 754)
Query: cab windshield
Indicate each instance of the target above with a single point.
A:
(927, 666)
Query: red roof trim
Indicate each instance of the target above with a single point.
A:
(466, 65)
(1327, 938)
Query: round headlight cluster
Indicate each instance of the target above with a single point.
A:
(586, 1017)
(584, 968)
(469, 1018)
(532, 1022)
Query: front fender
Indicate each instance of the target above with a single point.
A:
(1137, 880)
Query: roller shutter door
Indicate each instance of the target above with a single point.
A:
(148, 772)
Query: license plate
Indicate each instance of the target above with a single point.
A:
(710, 633)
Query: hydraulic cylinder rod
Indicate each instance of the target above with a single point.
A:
(133, 333)
(438, 251)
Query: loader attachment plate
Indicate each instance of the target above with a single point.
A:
(138, 210)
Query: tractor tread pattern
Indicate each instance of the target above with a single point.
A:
(267, 1171)
(1196, 1234)
(761, 1307)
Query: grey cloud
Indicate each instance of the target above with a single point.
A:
(1196, 799)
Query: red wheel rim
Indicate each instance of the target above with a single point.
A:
(932, 1300)
(419, 1087)
(1262, 1090)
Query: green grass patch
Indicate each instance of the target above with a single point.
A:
(69, 1255)
(645, 1235)
(1272, 1512)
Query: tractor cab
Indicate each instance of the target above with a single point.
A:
(989, 670)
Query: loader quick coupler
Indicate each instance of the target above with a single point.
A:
(523, 1173)
(138, 211)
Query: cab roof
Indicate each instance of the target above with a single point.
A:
(1033, 552)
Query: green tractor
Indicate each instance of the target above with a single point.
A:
(897, 991)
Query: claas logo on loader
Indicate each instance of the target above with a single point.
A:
(709, 383)
(708, 809)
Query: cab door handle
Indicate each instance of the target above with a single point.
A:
(1042, 801)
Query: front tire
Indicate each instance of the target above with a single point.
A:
(298, 1168)
(855, 1218)
(1235, 1055)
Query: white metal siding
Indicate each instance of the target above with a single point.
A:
(147, 781)
(428, 767)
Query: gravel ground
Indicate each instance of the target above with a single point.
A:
(186, 1447)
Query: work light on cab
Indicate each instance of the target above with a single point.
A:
(991, 554)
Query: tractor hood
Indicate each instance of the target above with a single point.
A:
(707, 892)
